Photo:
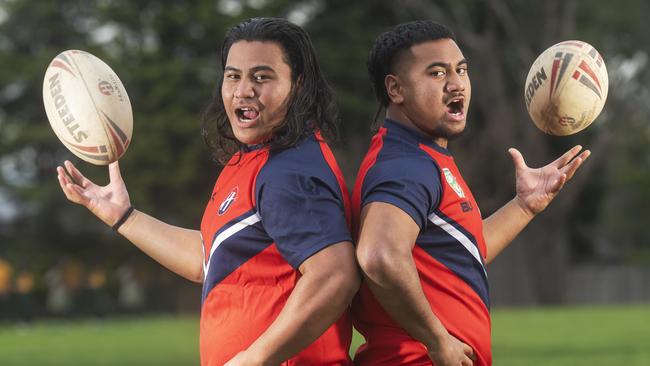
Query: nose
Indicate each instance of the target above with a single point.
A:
(455, 83)
(244, 89)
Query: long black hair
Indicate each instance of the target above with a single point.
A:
(310, 105)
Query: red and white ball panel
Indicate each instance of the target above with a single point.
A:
(566, 88)
(88, 107)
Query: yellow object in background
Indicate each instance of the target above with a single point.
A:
(5, 277)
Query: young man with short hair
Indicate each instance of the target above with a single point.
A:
(422, 243)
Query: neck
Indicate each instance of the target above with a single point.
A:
(395, 113)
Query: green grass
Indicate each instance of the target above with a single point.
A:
(574, 336)
(156, 341)
(544, 336)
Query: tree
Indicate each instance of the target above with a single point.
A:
(167, 56)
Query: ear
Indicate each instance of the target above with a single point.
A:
(394, 89)
(299, 82)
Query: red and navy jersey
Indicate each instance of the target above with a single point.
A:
(408, 170)
(269, 212)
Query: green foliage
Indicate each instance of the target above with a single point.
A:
(167, 56)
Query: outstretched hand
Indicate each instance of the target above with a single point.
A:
(536, 188)
(108, 203)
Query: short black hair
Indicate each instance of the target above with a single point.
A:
(388, 45)
(310, 105)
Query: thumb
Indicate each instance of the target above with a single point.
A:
(114, 172)
(517, 159)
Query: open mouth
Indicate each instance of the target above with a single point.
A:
(247, 114)
(455, 107)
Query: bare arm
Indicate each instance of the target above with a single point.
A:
(386, 241)
(178, 249)
(330, 278)
(536, 188)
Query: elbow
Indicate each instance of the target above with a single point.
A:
(344, 282)
(348, 282)
(354, 284)
(379, 266)
(195, 276)
(197, 279)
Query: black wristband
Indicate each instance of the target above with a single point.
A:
(122, 219)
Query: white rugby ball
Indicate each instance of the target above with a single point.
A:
(88, 107)
(566, 88)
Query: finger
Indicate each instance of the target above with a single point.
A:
(567, 156)
(469, 352)
(63, 176)
(114, 172)
(60, 172)
(517, 159)
(76, 174)
(572, 167)
(467, 362)
(557, 186)
(63, 182)
(78, 192)
(72, 191)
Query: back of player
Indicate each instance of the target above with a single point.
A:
(409, 171)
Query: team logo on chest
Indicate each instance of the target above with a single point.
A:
(228, 201)
(453, 183)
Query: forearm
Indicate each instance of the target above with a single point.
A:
(315, 304)
(176, 248)
(396, 285)
(503, 226)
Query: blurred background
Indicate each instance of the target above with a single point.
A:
(573, 289)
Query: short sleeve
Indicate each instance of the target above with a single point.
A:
(303, 214)
(411, 185)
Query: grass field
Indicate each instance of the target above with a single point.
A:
(551, 336)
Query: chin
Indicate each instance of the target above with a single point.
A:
(249, 141)
(243, 138)
(452, 132)
(252, 138)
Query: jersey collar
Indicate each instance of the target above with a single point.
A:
(406, 133)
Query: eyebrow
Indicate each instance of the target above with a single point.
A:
(446, 65)
(253, 69)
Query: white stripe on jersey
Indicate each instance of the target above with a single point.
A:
(462, 239)
(234, 229)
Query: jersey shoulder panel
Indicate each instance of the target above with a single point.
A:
(404, 176)
(300, 202)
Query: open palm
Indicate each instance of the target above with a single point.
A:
(536, 188)
(108, 202)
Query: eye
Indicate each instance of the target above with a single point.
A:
(261, 78)
(232, 76)
(437, 73)
(462, 71)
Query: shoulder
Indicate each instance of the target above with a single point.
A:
(407, 164)
(299, 171)
(407, 178)
(305, 159)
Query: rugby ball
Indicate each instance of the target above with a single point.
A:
(566, 88)
(88, 107)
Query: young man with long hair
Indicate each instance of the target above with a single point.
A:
(273, 251)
